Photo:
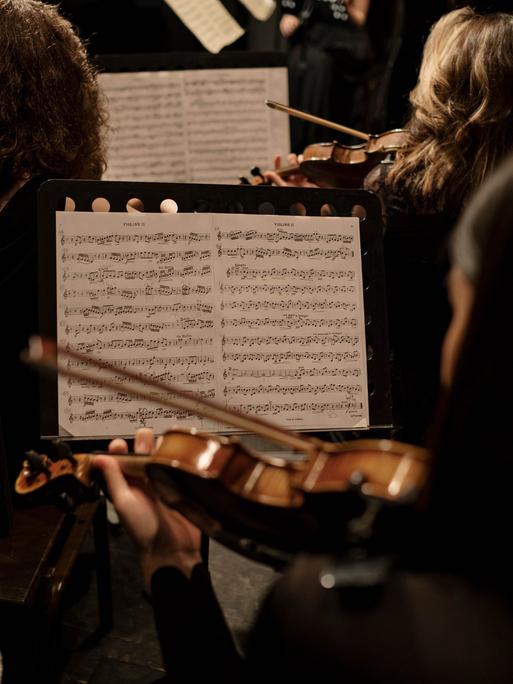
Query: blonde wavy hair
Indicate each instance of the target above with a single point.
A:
(461, 123)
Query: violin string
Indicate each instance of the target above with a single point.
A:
(45, 352)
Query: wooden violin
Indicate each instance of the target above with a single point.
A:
(260, 505)
(333, 164)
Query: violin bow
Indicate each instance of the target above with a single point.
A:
(317, 120)
(45, 353)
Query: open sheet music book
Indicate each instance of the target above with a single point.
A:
(262, 313)
(195, 125)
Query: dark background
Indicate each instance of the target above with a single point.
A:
(134, 26)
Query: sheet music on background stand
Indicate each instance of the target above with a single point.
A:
(193, 117)
(234, 243)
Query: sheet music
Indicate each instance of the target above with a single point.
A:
(260, 9)
(203, 125)
(209, 21)
(261, 313)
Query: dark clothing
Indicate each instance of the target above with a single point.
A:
(329, 12)
(422, 628)
(19, 399)
(416, 266)
(328, 58)
(194, 637)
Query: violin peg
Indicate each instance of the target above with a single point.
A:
(37, 463)
(255, 171)
(63, 451)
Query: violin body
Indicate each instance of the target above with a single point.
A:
(265, 508)
(333, 165)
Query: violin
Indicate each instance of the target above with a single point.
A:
(267, 507)
(333, 164)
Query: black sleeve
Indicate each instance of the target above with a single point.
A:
(194, 637)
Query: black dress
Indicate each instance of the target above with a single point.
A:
(328, 58)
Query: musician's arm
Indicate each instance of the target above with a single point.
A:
(194, 637)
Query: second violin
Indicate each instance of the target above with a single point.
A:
(264, 507)
(335, 165)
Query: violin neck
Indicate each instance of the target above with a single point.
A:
(288, 171)
(132, 465)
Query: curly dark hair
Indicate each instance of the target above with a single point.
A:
(51, 112)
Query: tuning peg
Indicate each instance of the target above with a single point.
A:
(63, 451)
(37, 463)
(255, 171)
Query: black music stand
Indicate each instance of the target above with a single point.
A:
(177, 61)
(229, 199)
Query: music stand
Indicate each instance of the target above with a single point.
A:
(229, 199)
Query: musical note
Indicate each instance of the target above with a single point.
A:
(76, 329)
(134, 292)
(290, 389)
(265, 253)
(136, 416)
(322, 339)
(291, 321)
(283, 290)
(182, 378)
(147, 362)
(245, 272)
(270, 408)
(284, 357)
(141, 343)
(301, 372)
(159, 238)
(95, 311)
(280, 235)
(102, 274)
(130, 257)
(287, 305)
(85, 399)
